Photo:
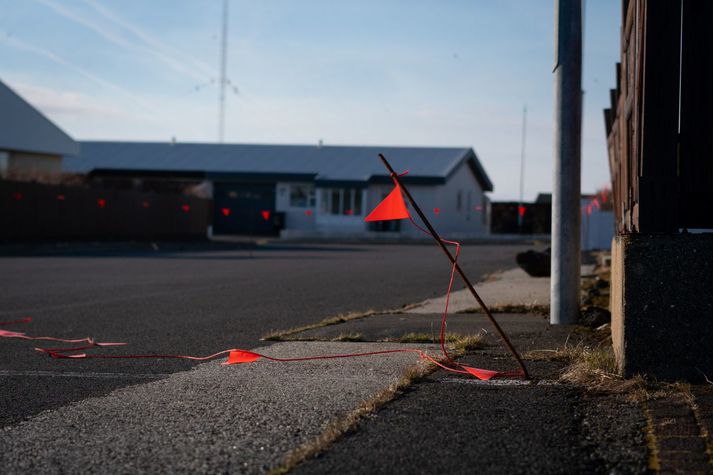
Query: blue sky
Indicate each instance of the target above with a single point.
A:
(430, 73)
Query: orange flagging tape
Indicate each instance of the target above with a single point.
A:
(392, 207)
(235, 355)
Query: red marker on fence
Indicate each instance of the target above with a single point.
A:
(225, 211)
(17, 196)
(185, 208)
(101, 202)
(265, 215)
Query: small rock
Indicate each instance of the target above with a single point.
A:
(601, 283)
(594, 317)
(536, 264)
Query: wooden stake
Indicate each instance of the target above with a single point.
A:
(437, 238)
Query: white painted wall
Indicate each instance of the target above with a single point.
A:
(597, 229)
(341, 224)
(469, 218)
(296, 218)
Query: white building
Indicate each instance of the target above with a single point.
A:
(302, 191)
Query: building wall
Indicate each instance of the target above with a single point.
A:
(457, 208)
(353, 201)
(463, 210)
(469, 218)
(299, 218)
(597, 229)
(462, 204)
(19, 163)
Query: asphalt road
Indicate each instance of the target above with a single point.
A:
(197, 301)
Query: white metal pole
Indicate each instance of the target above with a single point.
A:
(565, 279)
(522, 168)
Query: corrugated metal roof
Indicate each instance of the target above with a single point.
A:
(332, 163)
(24, 129)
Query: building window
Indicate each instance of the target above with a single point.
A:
(459, 200)
(341, 201)
(302, 196)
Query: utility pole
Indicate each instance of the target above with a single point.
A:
(522, 170)
(565, 279)
(223, 79)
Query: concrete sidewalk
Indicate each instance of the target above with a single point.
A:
(248, 416)
(461, 425)
(511, 287)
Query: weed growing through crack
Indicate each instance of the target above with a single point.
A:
(467, 343)
(460, 343)
(592, 367)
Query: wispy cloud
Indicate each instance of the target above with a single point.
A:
(47, 54)
(56, 102)
(157, 47)
(129, 36)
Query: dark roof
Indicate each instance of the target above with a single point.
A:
(544, 198)
(324, 164)
(24, 129)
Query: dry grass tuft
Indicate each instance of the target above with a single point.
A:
(283, 335)
(533, 308)
(462, 344)
(413, 337)
(339, 427)
(349, 337)
(593, 368)
(466, 343)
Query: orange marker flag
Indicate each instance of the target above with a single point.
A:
(392, 207)
(482, 374)
(241, 356)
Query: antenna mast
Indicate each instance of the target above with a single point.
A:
(223, 79)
